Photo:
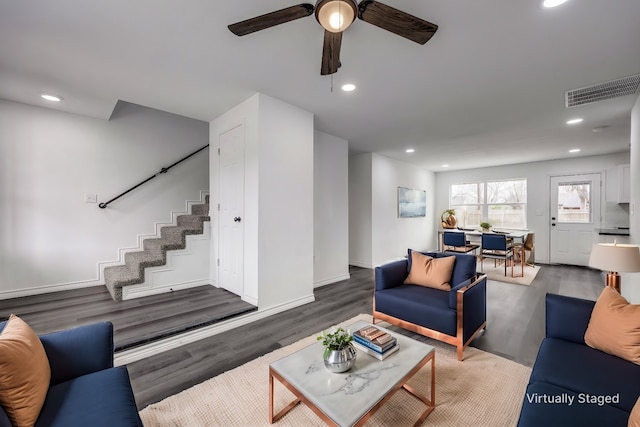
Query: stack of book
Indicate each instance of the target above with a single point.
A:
(375, 342)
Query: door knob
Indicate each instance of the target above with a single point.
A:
(237, 219)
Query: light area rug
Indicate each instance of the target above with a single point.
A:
(483, 390)
(497, 273)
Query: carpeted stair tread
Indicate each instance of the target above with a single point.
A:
(172, 237)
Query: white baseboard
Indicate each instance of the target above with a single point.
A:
(47, 289)
(142, 352)
(331, 280)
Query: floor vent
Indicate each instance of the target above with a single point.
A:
(600, 92)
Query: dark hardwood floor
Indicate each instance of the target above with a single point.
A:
(135, 322)
(515, 328)
(515, 324)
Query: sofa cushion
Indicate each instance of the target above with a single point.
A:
(24, 372)
(103, 398)
(464, 267)
(566, 410)
(430, 272)
(420, 305)
(582, 369)
(614, 326)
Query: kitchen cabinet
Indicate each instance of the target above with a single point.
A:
(624, 183)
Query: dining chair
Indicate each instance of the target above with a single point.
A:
(521, 250)
(455, 241)
(496, 247)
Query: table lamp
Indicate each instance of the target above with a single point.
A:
(615, 258)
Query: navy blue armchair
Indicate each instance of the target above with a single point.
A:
(454, 316)
(85, 388)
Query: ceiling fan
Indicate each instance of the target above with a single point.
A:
(335, 16)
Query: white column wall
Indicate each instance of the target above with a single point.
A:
(50, 239)
(330, 209)
(285, 247)
(360, 215)
(278, 217)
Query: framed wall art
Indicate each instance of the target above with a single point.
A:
(411, 203)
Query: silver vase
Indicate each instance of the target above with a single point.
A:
(340, 360)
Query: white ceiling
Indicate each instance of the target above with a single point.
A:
(487, 89)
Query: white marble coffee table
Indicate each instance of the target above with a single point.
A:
(351, 398)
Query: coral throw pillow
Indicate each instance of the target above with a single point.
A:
(24, 373)
(430, 272)
(614, 326)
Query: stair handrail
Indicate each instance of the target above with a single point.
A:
(163, 170)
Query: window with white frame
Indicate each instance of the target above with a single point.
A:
(502, 203)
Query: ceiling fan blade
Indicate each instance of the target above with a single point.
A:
(331, 53)
(271, 19)
(398, 22)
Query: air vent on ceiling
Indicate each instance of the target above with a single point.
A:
(600, 92)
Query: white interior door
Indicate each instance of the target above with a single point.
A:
(231, 211)
(575, 213)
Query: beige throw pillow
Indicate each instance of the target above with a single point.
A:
(24, 373)
(614, 326)
(634, 418)
(430, 272)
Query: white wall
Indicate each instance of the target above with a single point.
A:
(278, 217)
(392, 236)
(286, 202)
(377, 234)
(330, 209)
(538, 184)
(360, 216)
(49, 238)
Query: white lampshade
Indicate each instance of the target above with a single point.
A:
(336, 15)
(620, 258)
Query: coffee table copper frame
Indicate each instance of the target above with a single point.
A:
(401, 384)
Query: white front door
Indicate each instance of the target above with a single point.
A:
(575, 213)
(231, 211)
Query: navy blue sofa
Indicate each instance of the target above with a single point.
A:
(86, 390)
(573, 384)
(454, 316)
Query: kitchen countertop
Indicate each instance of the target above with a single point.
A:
(612, 231)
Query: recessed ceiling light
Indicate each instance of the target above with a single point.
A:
(51, 98)
(574, 150)
(574, 121)
(553, 3)
(410, 150)
(349, 87)
(445, 166)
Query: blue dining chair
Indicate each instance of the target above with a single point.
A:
(456, 241)
(496, 247)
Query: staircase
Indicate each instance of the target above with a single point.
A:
(154, 253)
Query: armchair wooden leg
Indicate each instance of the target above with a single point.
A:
(460, 352)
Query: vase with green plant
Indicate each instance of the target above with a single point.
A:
(339, 354)
(485, 226)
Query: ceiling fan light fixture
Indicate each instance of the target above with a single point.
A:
(336, 15)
